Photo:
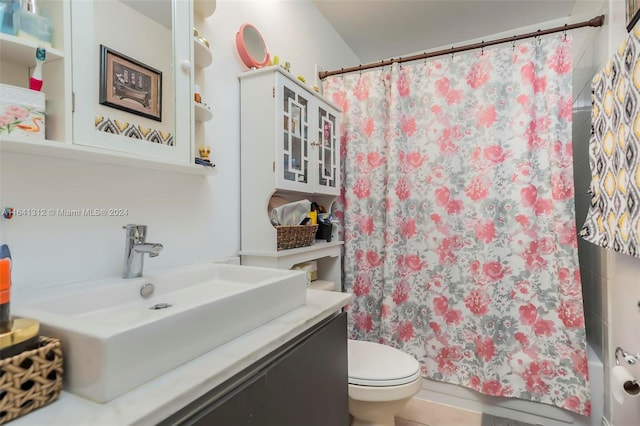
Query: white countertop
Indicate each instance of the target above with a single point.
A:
(156, 400)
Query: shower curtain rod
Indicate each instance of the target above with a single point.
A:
(594, 22)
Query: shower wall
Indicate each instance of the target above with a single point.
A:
(590, 52)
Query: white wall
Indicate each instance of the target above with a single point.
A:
(611, 287)
(196, 218)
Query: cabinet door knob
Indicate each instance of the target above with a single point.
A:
(185, 65)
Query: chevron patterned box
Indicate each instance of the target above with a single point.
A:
(21, 112)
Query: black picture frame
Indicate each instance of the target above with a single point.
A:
(129, 85)
(633, 13)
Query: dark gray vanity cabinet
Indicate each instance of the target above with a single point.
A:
(309, 384)
(303, 383)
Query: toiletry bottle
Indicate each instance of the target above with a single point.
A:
(30, 6)
(5, 295)
(35, 82)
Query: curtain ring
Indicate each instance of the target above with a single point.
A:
(564, 36)
(482, 49)
(452, 52)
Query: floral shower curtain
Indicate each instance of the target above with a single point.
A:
(460, 236)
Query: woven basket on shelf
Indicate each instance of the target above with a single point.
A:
(30, 379)
(295, 236)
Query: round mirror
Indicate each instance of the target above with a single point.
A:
(251, 47)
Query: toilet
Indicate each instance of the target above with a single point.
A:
(382, 380)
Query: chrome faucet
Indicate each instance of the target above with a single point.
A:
(135, 248)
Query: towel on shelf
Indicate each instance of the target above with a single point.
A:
(291, 213)
(613, 220)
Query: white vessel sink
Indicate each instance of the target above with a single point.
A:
(112, 341)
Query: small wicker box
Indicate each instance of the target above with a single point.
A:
(295, 236)
(30, 379)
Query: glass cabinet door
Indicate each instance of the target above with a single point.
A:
(307, 144)
(328, 152)
(294, 135)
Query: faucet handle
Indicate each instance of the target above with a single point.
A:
(132, 225)
(138, 231)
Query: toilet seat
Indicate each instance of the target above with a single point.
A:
(376, 365)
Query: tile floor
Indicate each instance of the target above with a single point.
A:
(419, 412)
(403, 422)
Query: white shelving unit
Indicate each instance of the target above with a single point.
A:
(290, 148)
(17, 58)
(202, 58)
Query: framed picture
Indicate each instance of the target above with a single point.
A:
(633, 13)
(129, 85)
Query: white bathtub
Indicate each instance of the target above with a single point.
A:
(518, 409)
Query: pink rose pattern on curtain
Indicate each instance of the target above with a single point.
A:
(460, 235)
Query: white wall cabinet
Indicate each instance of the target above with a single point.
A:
(289, 147)
(306, 155)
(164, 40)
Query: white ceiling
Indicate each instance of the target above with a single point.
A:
(157, 10)
(382, 29)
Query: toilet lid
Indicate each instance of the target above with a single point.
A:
(373, 364)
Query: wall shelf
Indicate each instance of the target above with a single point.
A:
(67, 151)
(202, 112)
(204, 7)
(202, 56)
(327, 255)
(322, 285)
(23, 52)
(318, 246)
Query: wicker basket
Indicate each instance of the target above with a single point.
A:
(295, 236)
(30, 379)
